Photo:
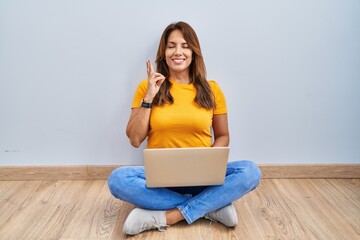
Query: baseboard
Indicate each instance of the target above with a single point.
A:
(310, 170)
(47, 173)
(39, 173)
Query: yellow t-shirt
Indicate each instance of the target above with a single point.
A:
(183, 123)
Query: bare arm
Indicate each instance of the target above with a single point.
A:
(138, 125)
(221, 131)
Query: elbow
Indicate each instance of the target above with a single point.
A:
(135, 143)
(135, 138)
(222, 141)
(226, 138)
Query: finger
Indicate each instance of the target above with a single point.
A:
(160, 80)
(158, 83)
(150, 67)
(158, 76)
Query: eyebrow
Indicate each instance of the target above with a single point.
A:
(176, 43)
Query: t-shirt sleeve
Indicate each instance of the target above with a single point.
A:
(139, 94)
(219, 96)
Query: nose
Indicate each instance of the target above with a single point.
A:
(178, 50)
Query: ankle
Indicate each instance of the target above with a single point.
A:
(173, 216)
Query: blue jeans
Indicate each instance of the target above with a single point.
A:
(128, 184)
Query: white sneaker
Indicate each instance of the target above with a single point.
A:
(140, 220)
(226, 215)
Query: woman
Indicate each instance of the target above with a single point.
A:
(177, 107)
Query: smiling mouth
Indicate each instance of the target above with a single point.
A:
(179, 61)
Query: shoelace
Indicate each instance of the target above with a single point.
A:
(208, 217)
(161, 227)
(211, 221)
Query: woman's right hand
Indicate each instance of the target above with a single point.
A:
(155, 80)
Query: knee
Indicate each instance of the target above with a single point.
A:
(117, 181)
(250, 174)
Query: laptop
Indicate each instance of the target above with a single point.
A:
(181, 167)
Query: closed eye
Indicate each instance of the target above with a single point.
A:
(173, 45)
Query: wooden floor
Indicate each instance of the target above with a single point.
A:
(278, 209)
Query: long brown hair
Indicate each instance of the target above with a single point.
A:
(204, 96)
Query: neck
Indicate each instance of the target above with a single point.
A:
(180, 77)
(182, 80)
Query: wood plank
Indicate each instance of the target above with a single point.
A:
(315, 210)
(27, 220)
(338, 197)
(47, 173)
(274, 216)
(247, 227)
(278, 209)
(96, 216)
(11, 202)
(351, 188)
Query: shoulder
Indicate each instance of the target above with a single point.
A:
(219, 97)
(216, 90)
(142, 86)
(214, 85)
(139, 94)
(143, 83)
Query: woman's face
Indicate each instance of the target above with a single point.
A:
(178, 55)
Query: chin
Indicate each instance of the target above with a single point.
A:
(177, 70)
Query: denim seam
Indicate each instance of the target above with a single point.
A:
(185, 214)
(184, 208)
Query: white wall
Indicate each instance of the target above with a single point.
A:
(68, 69)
